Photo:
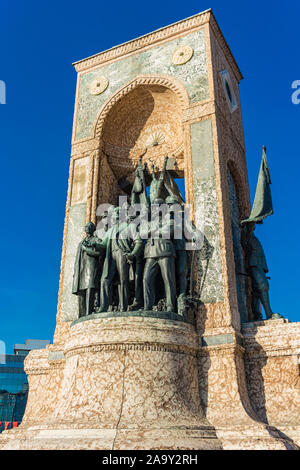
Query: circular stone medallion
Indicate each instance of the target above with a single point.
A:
(98, 85)
(182, 55)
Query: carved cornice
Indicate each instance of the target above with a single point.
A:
(143, 41)
(154, 347)
(53, 364)
(37, 370)
(199, 111)
(160, 35)
(261, 351)
(87, 145)
(222, 350)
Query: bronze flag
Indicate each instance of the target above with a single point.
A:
(262, 205)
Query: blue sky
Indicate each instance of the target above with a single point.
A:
(39, 41)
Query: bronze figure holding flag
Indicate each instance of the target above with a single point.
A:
(255, 260)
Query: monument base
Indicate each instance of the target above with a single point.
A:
(205, 437)
(121, 382)
(39, 438)
(131, 382)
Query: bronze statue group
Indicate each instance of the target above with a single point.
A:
(137, 266)
(132, 265)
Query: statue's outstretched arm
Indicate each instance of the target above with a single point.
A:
(162, 177)
(153, 172)
(163, 171)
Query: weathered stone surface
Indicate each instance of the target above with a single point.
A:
(209, 261)
(69, 305)
(157, 60)
(137, 313)
(237, 248)
(272, 369)
(124, 382)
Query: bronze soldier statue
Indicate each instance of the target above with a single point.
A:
(87, 271)
(160, 257)
(181, 259)
(257, 269)
(157, 184)
(255, 260)
(138, 193)
(184, 231)
(122, 245)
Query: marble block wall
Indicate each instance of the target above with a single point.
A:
(272, 364)
(193, 85)
(210, 281)
(157, 60)
(119, 383)
(237, 249)
(132, 383)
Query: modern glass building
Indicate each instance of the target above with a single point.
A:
(14, 384)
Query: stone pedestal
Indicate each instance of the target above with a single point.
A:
(272, 363)
(230, 392)
(120, 383)
(153, 383)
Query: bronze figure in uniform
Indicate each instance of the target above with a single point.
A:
(87, 271)
(257, 269)
(159, 256)
(122, 244)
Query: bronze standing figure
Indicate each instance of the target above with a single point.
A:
(87, 271)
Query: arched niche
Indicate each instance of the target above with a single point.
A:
(141, 119)
(240, 188)
(236, 205)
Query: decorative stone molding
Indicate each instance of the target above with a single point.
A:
(168, 82)
(99, 85)
(182, 55)
(199, 111)
(139, 43)
(162, 34)
(37, 370)
(80, 148)
(222, 350)
(154, 347)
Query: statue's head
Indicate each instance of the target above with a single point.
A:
(115, 215)
(174, 206)
(90, 228)
(170, 200)
(248, 228)
(158, 201)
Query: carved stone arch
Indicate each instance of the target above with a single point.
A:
(142, 118)
(239, 210)
(141, 80)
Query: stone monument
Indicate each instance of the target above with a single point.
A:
(197, 369)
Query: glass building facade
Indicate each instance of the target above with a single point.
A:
(14, 383)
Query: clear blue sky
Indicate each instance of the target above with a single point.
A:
(39, 41)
